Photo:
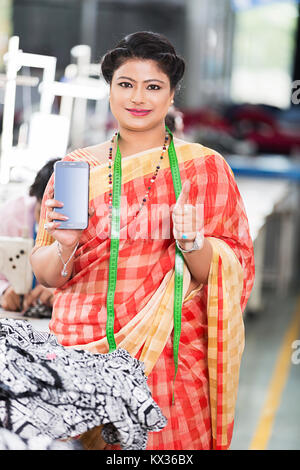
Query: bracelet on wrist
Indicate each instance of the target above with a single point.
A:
(197, 245)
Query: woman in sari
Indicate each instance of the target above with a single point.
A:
(205, 224)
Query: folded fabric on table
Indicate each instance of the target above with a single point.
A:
(49, 390)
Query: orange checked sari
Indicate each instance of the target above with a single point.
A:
(212, 331)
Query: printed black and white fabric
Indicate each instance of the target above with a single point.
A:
(47, 389)
(11, 441)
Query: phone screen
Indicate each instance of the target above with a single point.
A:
(71, 186)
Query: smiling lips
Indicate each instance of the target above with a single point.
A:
(139, 112)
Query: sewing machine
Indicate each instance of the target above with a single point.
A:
(15, 264)
(16, 267)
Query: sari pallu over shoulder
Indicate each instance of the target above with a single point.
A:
(144, 318)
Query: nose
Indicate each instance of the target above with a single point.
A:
(137, 95)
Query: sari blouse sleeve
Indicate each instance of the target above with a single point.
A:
(215, 189)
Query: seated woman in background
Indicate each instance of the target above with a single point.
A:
(19, 218)
(203, 225)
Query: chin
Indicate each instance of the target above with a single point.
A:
(138, 126)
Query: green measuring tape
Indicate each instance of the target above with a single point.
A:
(114, 253)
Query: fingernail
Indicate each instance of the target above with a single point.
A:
(65, 217)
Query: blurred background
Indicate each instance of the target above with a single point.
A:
(240, 96)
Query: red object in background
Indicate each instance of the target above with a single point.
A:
(272, 130)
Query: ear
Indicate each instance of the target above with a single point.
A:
(172, 97)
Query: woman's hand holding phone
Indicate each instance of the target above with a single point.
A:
(67, 238)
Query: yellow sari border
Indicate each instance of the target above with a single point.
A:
(225, 338)
(140, 165)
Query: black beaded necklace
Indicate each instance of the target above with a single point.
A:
(152, 179)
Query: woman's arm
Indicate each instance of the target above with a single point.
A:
(47, 265)
(199, 262)
(46, 261)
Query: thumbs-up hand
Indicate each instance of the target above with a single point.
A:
(184, 219)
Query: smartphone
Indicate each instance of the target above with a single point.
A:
(71, 186)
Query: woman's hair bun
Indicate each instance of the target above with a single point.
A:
(145, 45)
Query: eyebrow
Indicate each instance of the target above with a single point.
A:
(145, 81)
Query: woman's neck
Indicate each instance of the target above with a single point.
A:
(131, 142)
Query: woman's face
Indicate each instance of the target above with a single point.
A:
(140, 94)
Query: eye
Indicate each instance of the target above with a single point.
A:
(124, 83)
(153, 85)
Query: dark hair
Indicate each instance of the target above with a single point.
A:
(170, 122)
(39, 185)
(145, 45)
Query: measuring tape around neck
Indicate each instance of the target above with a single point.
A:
(114, 249)
(114, 253)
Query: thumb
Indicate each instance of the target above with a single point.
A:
(184, 195)
(91, 211)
